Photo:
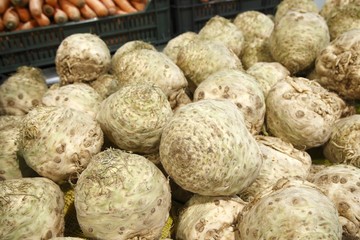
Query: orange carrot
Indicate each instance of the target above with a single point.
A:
(48, 10)
(60, 16)
(53, 3)
(98, 7)
(140, 6)
(120, 11)
(70, 9)
(110, 5)
(125, 6)
(42, 20)
(20, 3)
(78, 3)
(87, 12)
(4, 5)
(24, 13)
(11, 19)
(35, 7)
(28, 25)
(2, 27)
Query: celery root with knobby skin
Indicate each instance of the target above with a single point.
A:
(58, 142)
(216, 137)
(122, 196)
(301, 209)
(31, 208)
(82, 57)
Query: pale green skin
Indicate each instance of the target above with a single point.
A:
(291, 209)
(254, 24)
(256, 28)
(173, 45)
(82, 57)
(122, 196)
(330, 5)
(343, 19)
(9, 131)
(22, 91)
(302, 112)
(133, 117)
(10, 121)
(297, 39)
(209, 217)
(9, 163)
(286, 5)
(105, 85)
(267, 74)
(240, 88)
(256, 50)
(153, 67)
(280, 159)
(201, 58)
(58, 142)
(31, 208)
(127, 48)
(79, 96)
(340, 184)
(216, 154)
(343, 145)
(221, 29)
(337, 65)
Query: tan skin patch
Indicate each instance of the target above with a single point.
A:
(61, 148)
(49, 235)
(343, 208)
(335, 179)
(200, 226)
(10, 102)
(343, 180)
(299, 114)
(57, 159)
(35, 102)
(201, 95)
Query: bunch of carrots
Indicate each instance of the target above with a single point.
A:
(27, 14)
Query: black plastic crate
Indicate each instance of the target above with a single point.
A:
(191, 15)
(37, 47)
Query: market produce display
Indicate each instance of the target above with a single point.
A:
(248, 128)
(16, 15)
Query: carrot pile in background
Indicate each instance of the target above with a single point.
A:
(27, 14)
